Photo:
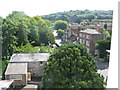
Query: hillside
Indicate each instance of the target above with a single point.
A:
(77, 15)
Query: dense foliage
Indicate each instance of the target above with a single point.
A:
(77, 15)
(60, 33)
(3, 66)
(60, 24)
(70, 66)
(102, 46)
(20, 29)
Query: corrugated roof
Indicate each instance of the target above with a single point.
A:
(16, 68)
(29, 57)
(90, 31)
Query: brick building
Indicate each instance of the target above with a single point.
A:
(89, 38)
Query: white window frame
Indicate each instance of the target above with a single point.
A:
(88, 36)
(81, 35)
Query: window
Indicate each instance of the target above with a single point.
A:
(88, 43)
(88, 36)
(80, 34)
(80, 40)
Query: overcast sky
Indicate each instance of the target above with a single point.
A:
(43, 7)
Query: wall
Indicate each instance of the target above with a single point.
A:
(18, 82)
(36, 68)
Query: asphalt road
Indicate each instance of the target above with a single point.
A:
(57, 40)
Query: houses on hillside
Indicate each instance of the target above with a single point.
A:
(87, 34)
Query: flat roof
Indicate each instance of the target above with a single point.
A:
(29, 57)
(28, 86)
(4, 84)
(90, 31)
(16, 68)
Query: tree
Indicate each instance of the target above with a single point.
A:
(19, 29)
(90, 17)
(102, 46)
(33, 35)
(60, 24)
(64, 18)
(105, 26)
(50, 38)
(60, 33)
(70, 66)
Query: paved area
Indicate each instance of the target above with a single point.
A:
(103, 68)
(57, 40)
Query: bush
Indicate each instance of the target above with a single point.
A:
(70, 66)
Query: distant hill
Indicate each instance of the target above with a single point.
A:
(77, 15)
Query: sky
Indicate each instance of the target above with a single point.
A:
(44, 7)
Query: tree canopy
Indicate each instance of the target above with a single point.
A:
(102, 46)
(19, 29)
(70, 66)
(60, 24)
(75, 16)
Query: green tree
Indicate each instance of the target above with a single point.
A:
(60, 24)
(50, 37)
(19, 29)
(90, 17)
(22, 30)
(46, 35)
(105, 26)
(102, 46)
(70, 66)
(28, 48)
(60, 33)
(64, 18)
(33, 35)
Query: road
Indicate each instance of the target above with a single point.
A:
(57, 40)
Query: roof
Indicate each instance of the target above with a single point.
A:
(90, 31)
(16, 68)
(29, 57)
(5, 84)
